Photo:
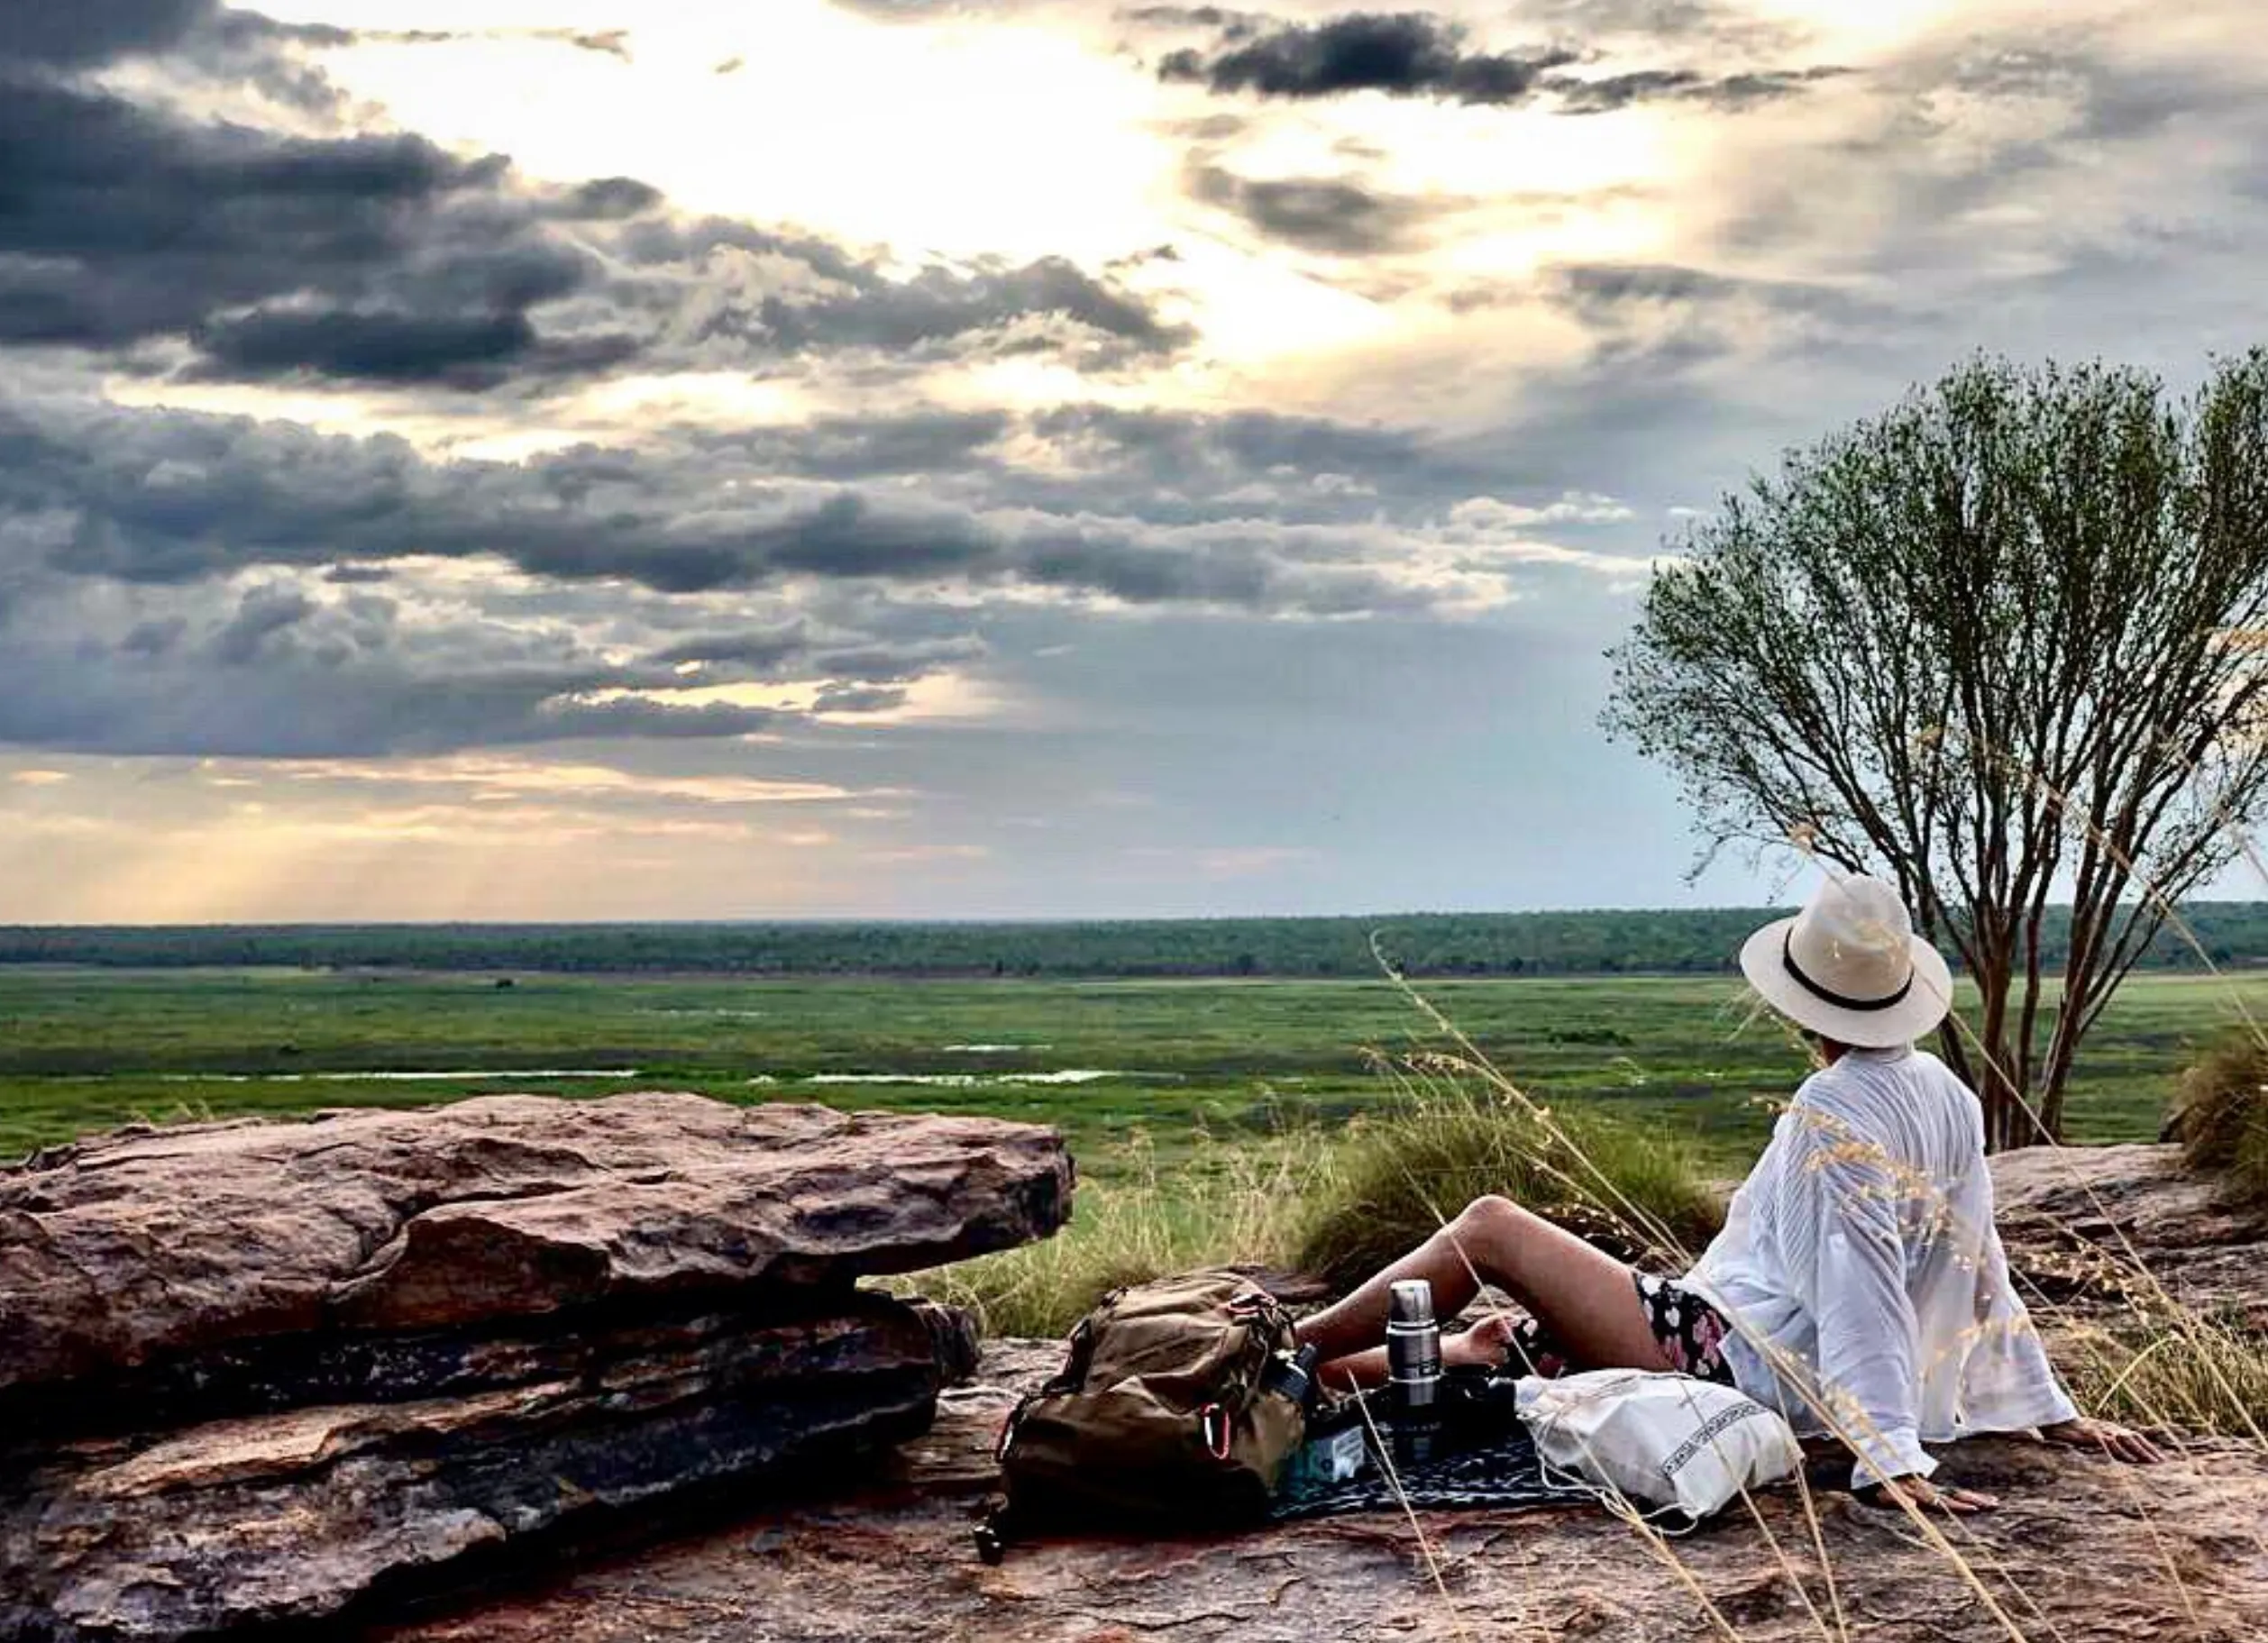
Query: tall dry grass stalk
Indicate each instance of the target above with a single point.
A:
(2221, 1118)
(2210, 1377)
(1464, 1128)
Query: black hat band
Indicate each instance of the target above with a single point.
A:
(1788, 958)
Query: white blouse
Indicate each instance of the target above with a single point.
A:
(1862, 1275)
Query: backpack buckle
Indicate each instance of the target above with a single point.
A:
(1212, 1425)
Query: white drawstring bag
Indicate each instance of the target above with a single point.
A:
(1671, 1441)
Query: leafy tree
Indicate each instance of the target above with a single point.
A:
(2005, 640)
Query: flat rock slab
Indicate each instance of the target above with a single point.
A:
(294, 1515)
(2082, 1551)
(2100, 1228)
(157, 1245)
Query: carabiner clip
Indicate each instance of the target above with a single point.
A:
(1212, 1425)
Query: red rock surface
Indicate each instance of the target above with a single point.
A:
(2100, 1228)
(249, 1372)
(124, 1250)
(2082, 1551)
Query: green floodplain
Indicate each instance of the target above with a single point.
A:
(1184, 1064)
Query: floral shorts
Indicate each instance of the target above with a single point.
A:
(1691, 1333)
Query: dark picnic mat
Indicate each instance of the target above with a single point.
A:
(1501, 1470)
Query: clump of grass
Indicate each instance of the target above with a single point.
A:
(1337, 1209)
(1229, 1206)
(2221, 1117)
(2203, 1374)
(1401, 1176)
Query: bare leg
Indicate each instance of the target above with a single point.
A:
(1580, 1294)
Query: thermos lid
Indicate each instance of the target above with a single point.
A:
(1411, 1302)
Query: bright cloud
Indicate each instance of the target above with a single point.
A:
(489, 458)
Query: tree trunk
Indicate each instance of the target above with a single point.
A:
(1999, 1088)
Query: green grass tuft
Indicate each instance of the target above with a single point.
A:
(2221, 1117)
(2198, 1374)
(1401, 1176)
(1223, 1206)
(1337, 1208)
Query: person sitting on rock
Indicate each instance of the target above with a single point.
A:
(1859, 1285)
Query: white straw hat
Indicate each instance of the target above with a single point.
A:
(1850, 967)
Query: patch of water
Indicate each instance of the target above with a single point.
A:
(946, 1081)
(976, 1081)
(394, 1077)
(993, 1049)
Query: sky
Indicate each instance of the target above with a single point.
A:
(566, 459)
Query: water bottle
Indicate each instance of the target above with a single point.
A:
(1413, 1365)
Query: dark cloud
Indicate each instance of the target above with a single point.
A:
(173, 497)
(900, 661)
(50, 43)
(477, 350)
(1402, 54)
(1689, 24)
(224, 251)
(803, 648)
(1730, 93)
(264, 612)
(920, 441)
(186, 583)
(126, 225)
(1049, 306)
(1223, 20)
(153, 638)
(1192, 451)
(1602, 290)
(1331, 215)
(1411, 54)
(858, 698)
(2043, 141)
(387, 260)
(286, 668)
(761, 654)
(69, 37)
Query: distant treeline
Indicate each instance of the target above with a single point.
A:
(1432, 944)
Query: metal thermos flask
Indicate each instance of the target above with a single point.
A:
(1414, 1363)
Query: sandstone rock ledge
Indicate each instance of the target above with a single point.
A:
(249, 1372)
(140, 1251)
(2082, 1551)
(2096, 1228)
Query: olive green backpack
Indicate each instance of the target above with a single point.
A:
(1169, 1411)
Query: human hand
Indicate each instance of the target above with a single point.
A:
(1961, 1503)
(2119, 1442)
(1484, 1345)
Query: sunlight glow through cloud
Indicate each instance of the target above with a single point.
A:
(954, 464)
